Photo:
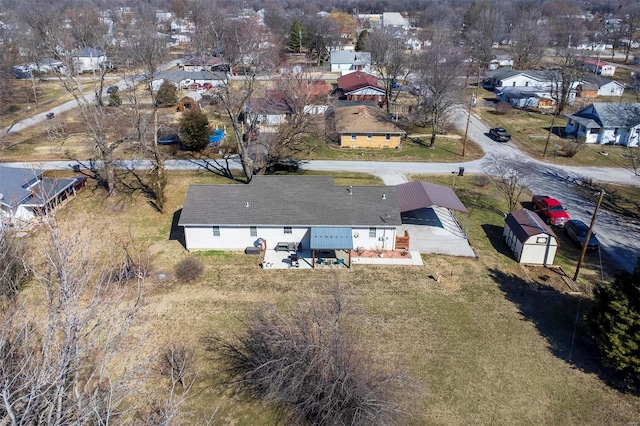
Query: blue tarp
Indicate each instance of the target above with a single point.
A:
(327, 238)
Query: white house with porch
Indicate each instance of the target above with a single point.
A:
(606, 123)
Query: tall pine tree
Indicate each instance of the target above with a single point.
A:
(361, 40)
(296, 37)
(615, 323)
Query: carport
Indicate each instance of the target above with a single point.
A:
(426, 211)
(325, 240)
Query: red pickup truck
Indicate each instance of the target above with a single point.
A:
(550, 210)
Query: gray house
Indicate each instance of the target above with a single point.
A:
(345, 61)
(24, 193)
(606, 123)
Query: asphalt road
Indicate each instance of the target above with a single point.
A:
(620, 240)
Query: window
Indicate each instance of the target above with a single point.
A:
(353, 136)
(216, 231)
(541, 240)
(387, 137)
(369, 136)
(372, 232)
(288, 230)
(514, 83)
(593, 130)
(615, 131)
(254, 231)
(526, 83)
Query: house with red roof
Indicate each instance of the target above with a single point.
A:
(596, 66)
(360, 86)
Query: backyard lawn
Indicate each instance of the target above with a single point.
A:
(480, 346)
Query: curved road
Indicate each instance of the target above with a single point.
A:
(620, 240)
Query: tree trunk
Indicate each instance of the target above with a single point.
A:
(109, 171)
(546, 144)
(433, 135)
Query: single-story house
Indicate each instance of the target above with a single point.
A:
(344, 61)
(594, 85)
(615, 123)
(529, 238)
(413, 43)
(364, 126)
(88, 59)
(272, 110)
(308, 211)
(206, 63)
(361, 86)
(596, 66)
(525, 97)
(24, 193)
(500, 61)
(395, 19)
(189, 79)
(542, 80)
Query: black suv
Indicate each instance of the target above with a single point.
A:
(283, 165)
(500, 134)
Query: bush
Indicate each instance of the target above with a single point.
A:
(189, 269)
(571, 148)
(114, 99)
(194, 130)
(167, 95)
(503, 108)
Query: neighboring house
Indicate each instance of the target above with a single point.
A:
(529, 238)
(395, 19)
(524, 97)
(24, 193)
(318, 98)
(500, 61)
(596, 66)
(606, 123)
(525, 83)
(413, 43)
(305, 210)
(344, 61)
(206, 63)
(361, 86)
(88, 59)
(363, 126)
(272, 110)
(594, 85)
(187, 79)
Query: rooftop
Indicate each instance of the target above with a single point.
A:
(364, 119)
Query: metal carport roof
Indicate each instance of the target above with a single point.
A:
(418, 195)
(336, 238)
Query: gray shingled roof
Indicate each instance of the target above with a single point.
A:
(179, 75)
(290, 200)
(348, 57)
(609, 115)
(11, 182)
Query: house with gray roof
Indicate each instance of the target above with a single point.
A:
(184, 79)
(345, 61)
(24, 193)
(305, 212)
(534, 85)
(606, 123)
(88, 59)
(594, 85)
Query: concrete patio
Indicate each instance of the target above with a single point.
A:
(282, 260)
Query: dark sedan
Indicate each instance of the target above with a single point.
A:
(577, 231)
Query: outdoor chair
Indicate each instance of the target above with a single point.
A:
(294, 261)
(320, 261)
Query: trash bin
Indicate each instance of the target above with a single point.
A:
(76, 168)
(460, 171)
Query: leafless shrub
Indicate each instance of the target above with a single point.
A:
(189, 269)
(175, 362)
(305, 363)
(503, 108)
(571, 148)
(482, 181)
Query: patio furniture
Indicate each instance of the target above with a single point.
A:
(282, 246)
(294, 261)
(320, 261)
(340, 262)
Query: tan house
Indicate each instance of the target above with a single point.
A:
(361, 126)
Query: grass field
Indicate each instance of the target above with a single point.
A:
(481, 346)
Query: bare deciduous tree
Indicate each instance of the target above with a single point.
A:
(57, 361)
(13, 270)
(482, 26)
(306, 364)
(388, 60)
(529, 38)
(508, 173)
(440, 92)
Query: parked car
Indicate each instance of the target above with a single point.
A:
(550, 210)
(112, 89)
(577, 231)
(395, 84)
(500, 134)
(205, 86)
(283, 165)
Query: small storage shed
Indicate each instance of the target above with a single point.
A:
(529, 238)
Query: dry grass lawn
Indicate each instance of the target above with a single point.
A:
(481, 346)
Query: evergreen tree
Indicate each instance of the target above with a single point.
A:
(296, 37)
(194, 130)
(615, 322)
(114, 99)
(361, 40)
(167, 95)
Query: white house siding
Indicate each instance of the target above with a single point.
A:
(239, 237)
(611, 89)
(521, 81)
(534, 249)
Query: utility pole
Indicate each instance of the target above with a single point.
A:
(474, 99)
(588, 236)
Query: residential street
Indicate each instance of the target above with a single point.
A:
(620, 240)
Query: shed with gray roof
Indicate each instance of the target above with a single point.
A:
(529, 238)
